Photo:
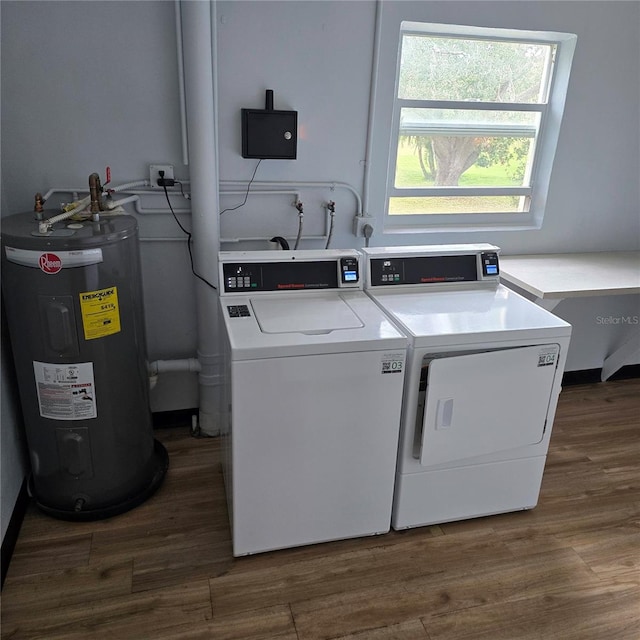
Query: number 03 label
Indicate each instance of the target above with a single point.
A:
(392, 363)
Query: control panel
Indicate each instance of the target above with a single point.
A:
(423, 270)
(489, 260)
(349, 271)
(241, 277)
(291, 275)
(238, 311)
(433, 265)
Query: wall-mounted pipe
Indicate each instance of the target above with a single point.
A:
(199, 70)
(258, 192)
(372, 107)
(127, 186)
(296, 183)
(183, 106)
(292, 239)
(139, 188)
(72, 190)
(113, 204)
(191, 365)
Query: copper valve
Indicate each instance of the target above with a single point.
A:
(95, 189)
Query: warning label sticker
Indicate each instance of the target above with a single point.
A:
(65, 391)
(100, 313)
(392, 363)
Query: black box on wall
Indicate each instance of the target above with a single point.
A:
(269, 134)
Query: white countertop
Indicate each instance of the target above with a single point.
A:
(570, 275)
(554, 277)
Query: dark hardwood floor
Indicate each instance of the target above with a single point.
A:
(567, 570)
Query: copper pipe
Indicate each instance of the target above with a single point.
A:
(38, 205)
(95, 189)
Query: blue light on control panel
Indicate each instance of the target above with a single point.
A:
(350, 276)
(492, 269)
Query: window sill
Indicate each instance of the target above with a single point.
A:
(461, 228)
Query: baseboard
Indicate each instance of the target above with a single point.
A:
(13, 529)
(589, 376)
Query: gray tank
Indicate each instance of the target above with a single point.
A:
(73, 300)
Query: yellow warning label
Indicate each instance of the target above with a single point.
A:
(100, 313)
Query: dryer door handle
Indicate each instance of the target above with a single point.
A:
(444, 413)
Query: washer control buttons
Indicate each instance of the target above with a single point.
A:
(238, 311)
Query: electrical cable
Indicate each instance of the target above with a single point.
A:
(186, 196)
(367, 232)
(246, 195)
(188, 234)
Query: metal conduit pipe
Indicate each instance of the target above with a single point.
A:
(183, 106)
(226, 240)
(372, 107)
(297, 183)
(197, 51)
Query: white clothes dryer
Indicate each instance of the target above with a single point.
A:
(483, 375)
(315, 372)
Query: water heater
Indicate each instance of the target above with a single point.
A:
(73, 299)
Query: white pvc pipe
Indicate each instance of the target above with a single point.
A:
(118, 203)
(127, 186)
(227, 240)
(372, 107)
(214, 67)
(197, 42)
(164, 211)
(171, 366)
(55, 190)
(183, 106)
(297, 183)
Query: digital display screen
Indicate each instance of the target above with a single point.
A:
(490, 263)
(350, 276)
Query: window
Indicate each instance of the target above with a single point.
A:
(474, 124)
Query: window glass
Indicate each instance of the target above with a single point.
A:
(439, 68)
(457, 205)
(438, 147)
(474, 124)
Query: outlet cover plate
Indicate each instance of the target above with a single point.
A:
(154, 173)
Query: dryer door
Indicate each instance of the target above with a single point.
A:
(486, 402)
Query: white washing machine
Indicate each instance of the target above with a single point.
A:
(315, 372)
(483, 375)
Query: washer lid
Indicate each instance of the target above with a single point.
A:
(278, 326)
(466, 315)
(299, 314)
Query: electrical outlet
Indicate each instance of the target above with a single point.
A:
(154, 173)
(359, 222)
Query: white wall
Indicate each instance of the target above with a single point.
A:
(317, 57)
(91, 84)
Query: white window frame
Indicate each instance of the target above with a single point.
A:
(385, 129)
